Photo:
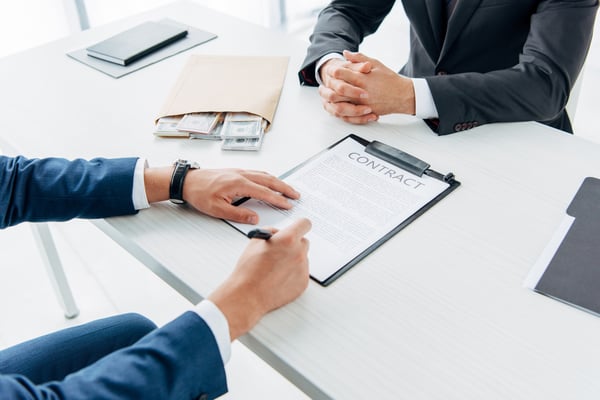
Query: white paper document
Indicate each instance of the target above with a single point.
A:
(544, 259)
(353, 200)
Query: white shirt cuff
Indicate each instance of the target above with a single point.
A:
(138, 194)
(217, 323)
(322, 61)
(424, 105)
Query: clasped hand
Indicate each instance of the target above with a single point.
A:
(359, 89)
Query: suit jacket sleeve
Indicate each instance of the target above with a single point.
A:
(537, 88)
(342, 25)
(55, 189)
(178, 361)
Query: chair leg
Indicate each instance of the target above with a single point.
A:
(84, 21)
(45, 242)
(77, 16)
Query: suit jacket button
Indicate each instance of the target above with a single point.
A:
(464, 126)
(475, 124)
(469, 125)
(457, 127)
(441, 73)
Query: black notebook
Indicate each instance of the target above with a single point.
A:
(135, 43)
(569, 268)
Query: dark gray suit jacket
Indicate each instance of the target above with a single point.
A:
(497, 61)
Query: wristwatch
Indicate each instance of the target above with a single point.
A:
(176, 187)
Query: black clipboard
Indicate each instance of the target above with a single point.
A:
(397, 158)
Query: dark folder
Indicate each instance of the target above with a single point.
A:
(573, 274)
(135, 43)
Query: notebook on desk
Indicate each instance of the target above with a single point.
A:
(569, 268)
(132, 44)
(193, 38)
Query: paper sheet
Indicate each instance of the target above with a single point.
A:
(543, 260)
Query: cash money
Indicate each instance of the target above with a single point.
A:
(242, 143)
(242, 125)
(167, 127)
(215, 133)
(198, 122)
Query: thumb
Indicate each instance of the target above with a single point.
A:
(355, 57)
(239, 214)
(364, 67)
(297, 229)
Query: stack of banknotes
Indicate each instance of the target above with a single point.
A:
(237, 130)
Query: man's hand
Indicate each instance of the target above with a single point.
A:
(269, 274)
(211, 191)
(341, 98)
(362, 88)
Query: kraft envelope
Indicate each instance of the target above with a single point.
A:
(215, 83)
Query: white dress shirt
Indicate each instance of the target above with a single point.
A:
(206, 309)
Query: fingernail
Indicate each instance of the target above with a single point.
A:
(368, 111)
(371, 119)
(253, 219)
(364, 95)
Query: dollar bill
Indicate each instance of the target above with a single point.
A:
(215, 133)
(167, 127)
(242, 143)
(198, 122)
(242, 125)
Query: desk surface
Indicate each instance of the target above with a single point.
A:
(438, 312)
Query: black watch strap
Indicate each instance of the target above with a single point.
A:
(177, 178)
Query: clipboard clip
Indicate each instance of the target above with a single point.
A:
(404, 160)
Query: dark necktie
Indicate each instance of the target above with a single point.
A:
(450, 5)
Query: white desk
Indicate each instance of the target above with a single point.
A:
(437, 312)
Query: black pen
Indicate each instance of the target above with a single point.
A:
(260, 234)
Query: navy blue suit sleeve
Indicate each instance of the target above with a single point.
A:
(178, 361)
(55, 189)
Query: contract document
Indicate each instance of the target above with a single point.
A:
(355, 201)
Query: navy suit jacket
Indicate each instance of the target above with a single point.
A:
(501, 60)
(55, 189)
(178, 361)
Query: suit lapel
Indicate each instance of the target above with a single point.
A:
(462, 14)
(430, 25)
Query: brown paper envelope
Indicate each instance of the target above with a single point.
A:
(213, 83)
